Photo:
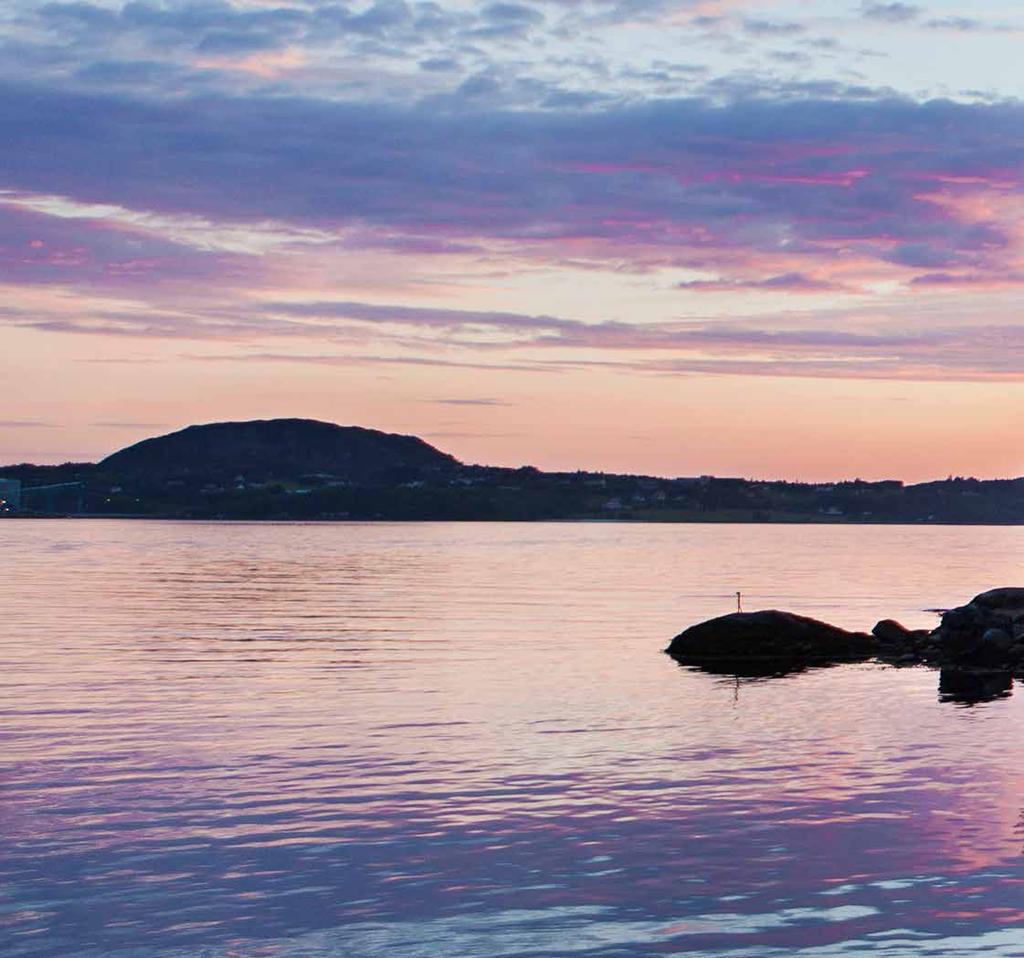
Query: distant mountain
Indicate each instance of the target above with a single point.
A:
(276, 449)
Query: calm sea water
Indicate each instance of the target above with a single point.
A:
(252, 741)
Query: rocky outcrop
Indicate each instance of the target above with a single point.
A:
(986, 633)
(985, 637)
(772, 636)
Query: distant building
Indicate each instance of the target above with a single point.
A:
(10, 495)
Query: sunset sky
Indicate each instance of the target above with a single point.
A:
(772, 239)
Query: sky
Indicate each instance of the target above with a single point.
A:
(761, 238)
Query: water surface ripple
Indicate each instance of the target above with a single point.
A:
(298, 741)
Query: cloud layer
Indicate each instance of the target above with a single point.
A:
(260, 194)
(768, 194)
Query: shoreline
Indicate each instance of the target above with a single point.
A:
(365, 520)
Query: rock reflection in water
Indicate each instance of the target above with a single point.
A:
(974, 688)
(751, 669)
(960, 687)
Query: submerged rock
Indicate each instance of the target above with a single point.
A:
(774, 636)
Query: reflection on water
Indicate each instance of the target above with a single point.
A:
(463, 740)
(973, 688)
(960, 686)
(752, 670)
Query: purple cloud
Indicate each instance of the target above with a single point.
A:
(825, 346)
(785, 282)
(891, 12)
(328, 359)
(953, 354)
(685, 182)
(40, 249)
(772, 28)
(958, 280)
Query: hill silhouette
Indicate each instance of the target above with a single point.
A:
(265, 449)
(306, 469)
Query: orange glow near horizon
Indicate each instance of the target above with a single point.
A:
(753, 426)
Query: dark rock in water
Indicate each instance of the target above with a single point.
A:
(1009, 601)
(978, 646)
(983, 633)
(891, 632)
(779, 637)
(896, 640)
(962, 628)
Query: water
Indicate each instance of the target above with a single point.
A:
(274, 741)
